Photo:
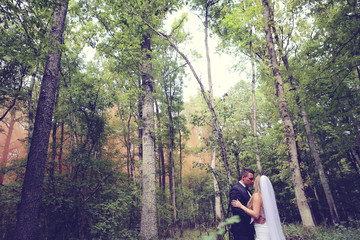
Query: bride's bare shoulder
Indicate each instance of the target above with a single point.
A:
(257, 196)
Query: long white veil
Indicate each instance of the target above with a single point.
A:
(270, 208)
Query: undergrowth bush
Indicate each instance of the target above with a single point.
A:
(340, 232)
(291, 232)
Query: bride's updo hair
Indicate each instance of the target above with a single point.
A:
(257, 190)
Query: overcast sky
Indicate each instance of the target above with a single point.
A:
(223, 75)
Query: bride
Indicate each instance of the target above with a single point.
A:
(263, 203)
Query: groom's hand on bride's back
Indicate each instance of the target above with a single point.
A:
(260, 220)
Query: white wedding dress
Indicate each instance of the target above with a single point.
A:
(262, 230)
(271, 230)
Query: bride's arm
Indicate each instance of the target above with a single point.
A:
(255, 212)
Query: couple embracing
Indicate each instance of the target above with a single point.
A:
(258, 211)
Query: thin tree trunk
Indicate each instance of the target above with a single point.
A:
(181, 186)
(255, 134)
(160, 152)
(30, 101)
(141, 124)
(130, 161)
(355, 121)
(351, 157)
(238, 166)
(216, 121)
(298, 183)
(162, 174)
(218, 213)
(206, 98)
(53, 153)
(321, 171)
(61, 147)
(354, 54)
(172, 188)
(148, 225)
(29, 207)
(219, 217)
(356, 156)
(127, 157)
(54, 139)
(323, 179)
(163, 170)
(6, 150)
(172, 165)
(253, 78)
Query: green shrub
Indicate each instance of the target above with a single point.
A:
(340, 232)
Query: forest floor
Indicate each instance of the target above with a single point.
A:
(292, 232)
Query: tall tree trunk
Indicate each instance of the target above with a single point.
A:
(323, 179)
(215, 118)
(163, 170)
(218, 213)
(61, 146)
(217, 126)
(162, 174)
(172, 182)
(354, 153)
(351, 157)
(239, 166)
(54, 139)
(160, 151)
(127, 141)
(355, 122)
(148, 226)
(53, 153)
(354, 54)
(219, 216)
(127, 158)
(157, 148)
(257, 153)
(253, 78)
(181, 186)
(30, 101)
(171, 160)
(141, 124)
(6, 150)
(29, 207)
(298, 183)
(129, 150)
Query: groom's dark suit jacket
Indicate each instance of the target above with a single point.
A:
(243, 228)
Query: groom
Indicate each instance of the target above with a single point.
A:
(244, 230)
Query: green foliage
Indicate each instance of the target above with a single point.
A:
(92, 198)
(95, 203)
(198, 195)
(222, 225)
(195, 234)
(294, 232)
(115, 214)
(341, 232)
(23, 34)
(9, 197)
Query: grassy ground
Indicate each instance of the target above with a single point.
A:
(195, 235)
(292, 232)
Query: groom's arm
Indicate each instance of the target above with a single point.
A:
(260, 220)
(235, 194)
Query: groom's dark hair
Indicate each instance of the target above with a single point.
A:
(245, 172)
